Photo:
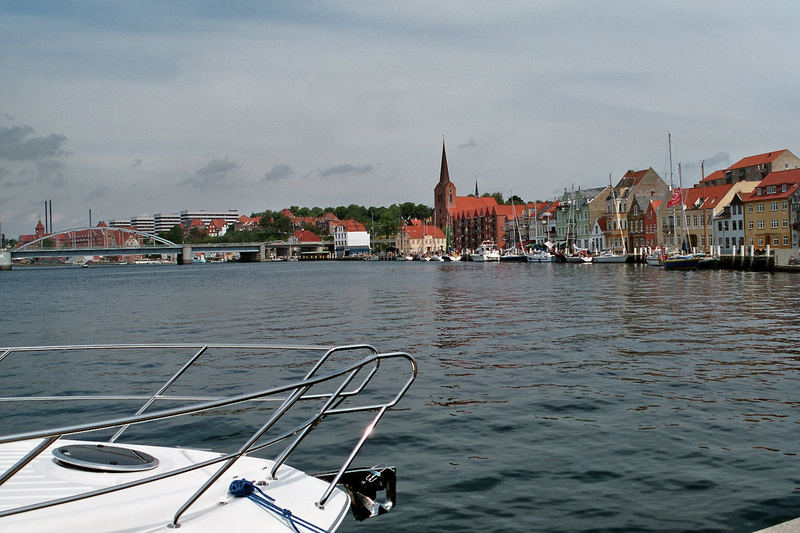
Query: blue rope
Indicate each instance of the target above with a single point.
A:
(241, 488)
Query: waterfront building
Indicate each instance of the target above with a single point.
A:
(572, 220)
(419, 238)
(144, 223)
(350, 237)
(643, 185)
(636, 233)
(651, 226)
(165, 221)
(534, 223)
(769, 210)
(754, 168)
(598, 235)
(729, 226)
(229, 216)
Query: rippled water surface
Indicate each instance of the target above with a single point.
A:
(550, 397)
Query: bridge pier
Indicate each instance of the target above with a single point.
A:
(5, 260)
(254, 257)
(185, 257)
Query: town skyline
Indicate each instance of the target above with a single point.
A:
(152, 108)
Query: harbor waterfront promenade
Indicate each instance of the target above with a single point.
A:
(564, 397)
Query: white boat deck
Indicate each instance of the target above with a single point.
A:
(151, 507)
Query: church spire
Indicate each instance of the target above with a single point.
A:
(444, 174)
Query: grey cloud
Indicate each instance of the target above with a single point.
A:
(718, 160)
(215, 173)
(137, 162)
(50, 170)
(16, 144)
(469, 144)
(346, 169)
(278, 172)
(99, 192)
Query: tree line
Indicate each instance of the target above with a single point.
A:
(381, 222)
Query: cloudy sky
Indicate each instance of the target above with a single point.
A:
(132, 108)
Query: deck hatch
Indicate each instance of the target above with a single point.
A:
(103, 458)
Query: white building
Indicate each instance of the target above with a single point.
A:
(165, 221)
(144, 223)
(350, 237)
(119, 223)
(230, 216)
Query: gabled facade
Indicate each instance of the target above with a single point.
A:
(350, 237)
(729, 226)
(636, 233)
(635, 188)
(420, 239)
(597, 237)
(651, 226)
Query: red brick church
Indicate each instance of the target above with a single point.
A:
(471, 219)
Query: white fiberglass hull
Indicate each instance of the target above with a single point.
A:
(151, 507)
(610, 258)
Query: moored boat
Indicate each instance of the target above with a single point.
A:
(63, 478)
(487, 252)
(609, 257)
(683, 262)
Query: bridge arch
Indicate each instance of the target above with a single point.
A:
(86, 237)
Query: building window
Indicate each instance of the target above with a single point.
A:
(750, 224)
(786, 240)
(760, 207)
(783, 188)
(773, 223)
(771, 189)
(785, 205)
(773, 206)
(749, 208)
(761, 240)
(785, 223)
(775, 240)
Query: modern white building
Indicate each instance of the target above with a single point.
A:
(119, 223)
(144, 223)
(165, 221)
(230, 216)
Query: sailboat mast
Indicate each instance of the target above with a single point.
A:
(683, 208)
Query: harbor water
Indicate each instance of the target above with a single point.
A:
(550, 397)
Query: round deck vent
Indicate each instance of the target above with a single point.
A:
(102, 458)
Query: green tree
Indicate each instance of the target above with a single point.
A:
(174, 234)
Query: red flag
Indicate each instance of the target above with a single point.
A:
(676, 197)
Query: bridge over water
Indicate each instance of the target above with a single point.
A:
(110, 241)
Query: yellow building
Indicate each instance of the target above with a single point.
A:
(767, 210)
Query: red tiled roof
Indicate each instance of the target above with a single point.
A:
(351, 225)
(465, 203)
(303, 235)
(759, 159)
(714, 176)
(418, 232)
(789, 177)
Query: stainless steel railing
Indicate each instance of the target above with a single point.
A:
(348, 382)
